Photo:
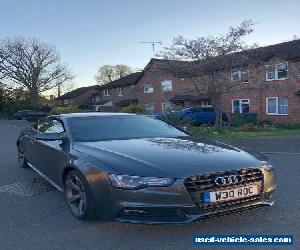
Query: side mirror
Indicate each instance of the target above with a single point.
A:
(49, 137)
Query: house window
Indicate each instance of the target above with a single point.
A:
(97, 98)
(277, 106)
(166, 107)
(206, 104)
(277, 72)
(282, 71)
(149, 108)
(106, 92)
(240, 106)
(240, 74)
(120, 91)
(148, 88)
(166, 85)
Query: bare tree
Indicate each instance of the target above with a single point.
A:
(63, 88)
(206, 55)
(32, 64)
(108, 73)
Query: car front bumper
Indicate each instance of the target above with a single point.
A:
(174, 204)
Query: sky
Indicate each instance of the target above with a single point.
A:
(92, 33)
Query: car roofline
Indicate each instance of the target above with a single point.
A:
(90, 114)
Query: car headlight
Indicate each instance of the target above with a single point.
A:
(137, 182)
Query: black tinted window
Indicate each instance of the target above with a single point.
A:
(208, 110)
(121, 127)
(197, 109)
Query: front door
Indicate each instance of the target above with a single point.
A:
(51, 157)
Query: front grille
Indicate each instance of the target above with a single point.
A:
(197, 184)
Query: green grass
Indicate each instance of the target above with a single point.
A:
(239, 132)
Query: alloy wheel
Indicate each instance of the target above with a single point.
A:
(76, 195)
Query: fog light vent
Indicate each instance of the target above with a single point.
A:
(133, 211)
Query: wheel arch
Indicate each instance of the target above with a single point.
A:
(91, 199)
(65, 172)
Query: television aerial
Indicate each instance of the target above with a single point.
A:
(153, 44)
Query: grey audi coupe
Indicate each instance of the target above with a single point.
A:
(138, 169)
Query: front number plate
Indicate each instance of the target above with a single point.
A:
(231, 194)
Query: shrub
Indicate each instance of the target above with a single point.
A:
(65, 110)
(288, 125)
(265, 123)
(241, 119)
(171, 118)
(249, 128)
(44, 108)
(134, 108)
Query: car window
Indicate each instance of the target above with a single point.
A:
(41, 125)
(49, 126)
(208, 110)
(191, 110)
(54, 126)
(199, 109)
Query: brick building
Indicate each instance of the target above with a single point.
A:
(79, 97)
(265, 81)
(156, 88)
(117, 94)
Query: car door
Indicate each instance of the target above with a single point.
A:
(28, 142)
(197, 116)
(189, 114)
(209, 115)
(52, 156)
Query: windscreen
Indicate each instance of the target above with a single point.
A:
(100, 128)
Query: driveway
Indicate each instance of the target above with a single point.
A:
(35, 216)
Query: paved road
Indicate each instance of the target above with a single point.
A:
(44, 222)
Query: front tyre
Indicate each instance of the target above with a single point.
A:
(78, 196)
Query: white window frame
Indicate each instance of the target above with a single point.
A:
(240, 105)
(163, 109)
(276, 72)
(146, 104)
(151, 87)
(170, 87)
(106, 92)
(120, 91)
(239, 71)
(277, 106)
